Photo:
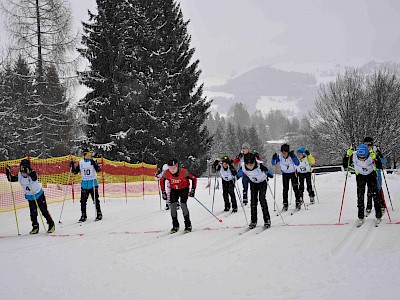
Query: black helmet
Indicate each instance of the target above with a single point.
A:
(24, 165)
(172, 162)
(369, 141)
(86, 150)
(225, 159)
(249, 158)
(285, 148)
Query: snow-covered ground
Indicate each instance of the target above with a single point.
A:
(130, 255)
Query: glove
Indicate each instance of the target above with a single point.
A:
(216, 162)
(275, 156)
(72, 164)
(164, 195)
(269, 174)
(191, 193)
(256, 154)
(349, 153)
(291, 154)
(159, 170)
(372, 155)
(263, 168)
(307, 152)
(240, 155)
(93, 162)
(234, 172)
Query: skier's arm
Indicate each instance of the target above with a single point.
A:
(193, 179)
(162, 183)
(33, 175)
(95, 165)
(275, 159)
(74, 169)
(310, 158)
(294, 158)
(10, 177)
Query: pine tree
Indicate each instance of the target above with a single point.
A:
(145, 103)
(8, 119)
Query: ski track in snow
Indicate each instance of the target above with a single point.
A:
(131, 250)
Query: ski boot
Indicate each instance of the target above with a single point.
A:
(52, 227)
(83, 218)
(99, 216)
(360, 222)
(234, 210)
(285, 207)
(252, 225)
(167, 207)
(267, 224)
(35, 229)
(226, 209)
(187, 229)
(312, 201)
(174, 230)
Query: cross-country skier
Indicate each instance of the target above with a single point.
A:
(89, 185)
(304, 172)
(365, 164)
(228, 173)
(34, 193)
(179, 179)
(369, 141)
(159, 175)
(258, 175)
(239, 159)
(288, 162)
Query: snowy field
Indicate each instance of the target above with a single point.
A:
(130, 255)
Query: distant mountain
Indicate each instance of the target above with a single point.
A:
(267, 87)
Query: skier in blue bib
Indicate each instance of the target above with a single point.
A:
(89, 185)
(34, 193)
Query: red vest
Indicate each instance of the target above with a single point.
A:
(178, 182)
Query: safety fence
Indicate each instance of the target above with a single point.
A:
(116, 180)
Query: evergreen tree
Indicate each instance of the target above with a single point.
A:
(145, 103)
(8, 109)
(255, 142)
(55, 115)
(230, 140)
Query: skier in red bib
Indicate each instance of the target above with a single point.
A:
(179, 179)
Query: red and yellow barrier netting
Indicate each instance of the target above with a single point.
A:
(116, 180)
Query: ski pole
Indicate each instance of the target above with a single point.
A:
(274, 185)
(215, 180)
(37, 205)
(387, 188)
(379, 183)
(315, 186)
(159, 192)
(208, 210)
(65, 195)
(241, 203)
(275, 204)
(344, 188)
(13, 199)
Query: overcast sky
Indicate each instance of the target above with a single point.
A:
(232, 36)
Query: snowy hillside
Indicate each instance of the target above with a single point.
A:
(130, 255)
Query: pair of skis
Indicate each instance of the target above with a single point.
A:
(360, 222)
